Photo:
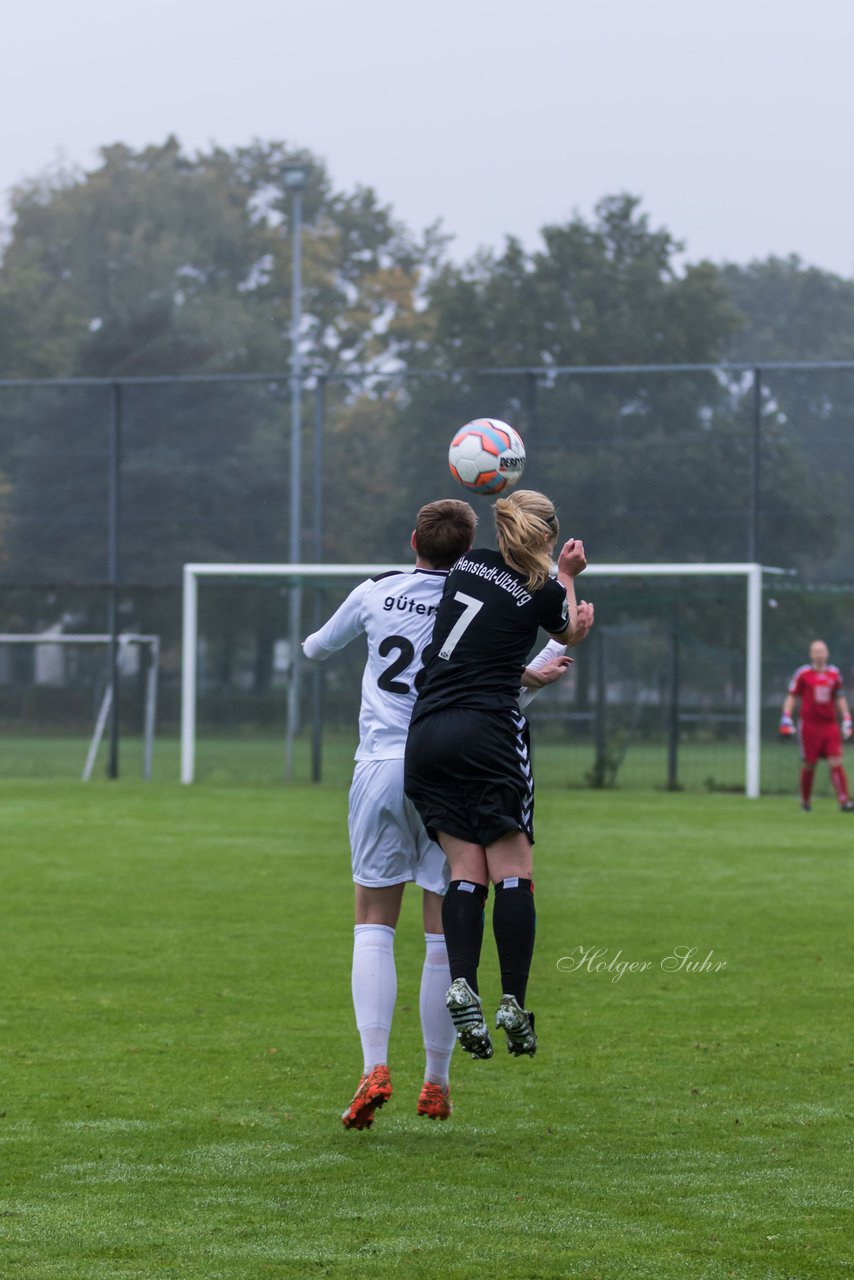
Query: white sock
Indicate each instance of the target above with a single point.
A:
(436, 1026)
(374, 989)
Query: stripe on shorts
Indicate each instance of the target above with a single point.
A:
(526, 771)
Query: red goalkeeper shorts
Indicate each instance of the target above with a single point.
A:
(820, 740)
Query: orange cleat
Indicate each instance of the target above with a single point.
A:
(435, 1101)
(373, 1092)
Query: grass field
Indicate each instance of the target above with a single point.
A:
(257, 759)
(177, 1046)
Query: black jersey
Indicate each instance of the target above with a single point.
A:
(485, 627)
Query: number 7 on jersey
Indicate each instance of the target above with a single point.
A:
(471, 608)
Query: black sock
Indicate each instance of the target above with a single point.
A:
(514, 922)
(462, 921)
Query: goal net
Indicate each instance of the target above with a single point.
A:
(666, 692)
(56, 697)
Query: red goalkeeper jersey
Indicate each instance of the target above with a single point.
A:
(818, 691)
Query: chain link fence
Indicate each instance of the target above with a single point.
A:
(108, 488)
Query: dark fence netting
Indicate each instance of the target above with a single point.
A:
(648, 467)
(107, 490)
(205, 475)
(807, 473)
(54, 466)
(386, 454)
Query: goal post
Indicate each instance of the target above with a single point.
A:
(149, 643)
(751, 574)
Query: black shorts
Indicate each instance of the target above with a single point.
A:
(468, 773)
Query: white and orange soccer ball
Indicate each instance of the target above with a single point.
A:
(487, 456)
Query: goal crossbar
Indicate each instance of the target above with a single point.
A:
(751, 572)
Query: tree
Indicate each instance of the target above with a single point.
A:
(158, 262)
(606, 292)
(648, 466)
(790, 311)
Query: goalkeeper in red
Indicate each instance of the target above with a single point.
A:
(818, 687)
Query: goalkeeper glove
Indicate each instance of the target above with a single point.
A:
(846, 728)
(787, 727)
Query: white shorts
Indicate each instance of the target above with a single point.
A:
(388, 842)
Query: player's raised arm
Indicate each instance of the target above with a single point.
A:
(553, 662)
(346, 624)
(584, 623)
(571, 562)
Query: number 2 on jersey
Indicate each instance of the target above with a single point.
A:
(405, 654)
(471, 608)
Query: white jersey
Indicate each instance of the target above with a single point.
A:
(396, 612)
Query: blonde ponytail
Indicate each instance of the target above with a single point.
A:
(525, 524)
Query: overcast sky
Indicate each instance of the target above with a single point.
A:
(731, 118)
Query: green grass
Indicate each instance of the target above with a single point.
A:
(258, 759)
(177, 1046)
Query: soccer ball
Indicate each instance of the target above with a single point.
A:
(487, 456)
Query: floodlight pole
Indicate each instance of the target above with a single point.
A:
(113, 570)
(317, 675)
(294, 177)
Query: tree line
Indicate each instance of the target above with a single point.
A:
(158, 261)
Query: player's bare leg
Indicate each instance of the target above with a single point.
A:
(514, 924)
(374, 982)
(378, 906)
(437, 1028)
(462, 918)
(840, 784)
(510, 856)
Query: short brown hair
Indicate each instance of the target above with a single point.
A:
(444, 531)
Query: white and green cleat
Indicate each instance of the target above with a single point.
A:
(467, 1016)
(518, 1026)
